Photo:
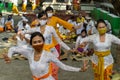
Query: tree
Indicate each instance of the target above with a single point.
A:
(116, 4)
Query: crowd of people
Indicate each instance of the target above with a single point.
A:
(15, 3)
(41, 40)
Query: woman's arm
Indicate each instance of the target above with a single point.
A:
(31, 30)
(58, 39)
(19, 50)
(64, 23)
(63, 66)
(115, 39)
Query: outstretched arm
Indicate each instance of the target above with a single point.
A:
(19, 50)
(65, 67)
(58, 39)
(115, 39)
(31, 30)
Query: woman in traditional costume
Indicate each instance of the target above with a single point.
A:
(102, 59)
(40, 59)
(9, 24)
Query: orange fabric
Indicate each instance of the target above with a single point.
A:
(55, 69)
(107, 72)
(34, 23)
(1, 29)
(46, 75)
(53, 21)
(8, 26)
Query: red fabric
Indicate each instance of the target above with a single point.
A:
(58, 48)
(55, 69)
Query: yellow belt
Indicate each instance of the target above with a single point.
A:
(100, 69)
(47, 47)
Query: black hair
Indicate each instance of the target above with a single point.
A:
(49, 9)
(100, 21)
(10, 15)
(34, 35)
(84, 30)
(72, 17)
(41, 14)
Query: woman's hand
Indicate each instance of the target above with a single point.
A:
(6, 58)
(22, 36)
(71, 50)
(19, 32)
(83, 69)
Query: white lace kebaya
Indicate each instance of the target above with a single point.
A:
(40, 67)
(102, 46)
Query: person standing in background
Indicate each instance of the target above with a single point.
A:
(14, 8)
(24, 5)
(53, 21)
(34, 5)
(80, 18)
(9, 24)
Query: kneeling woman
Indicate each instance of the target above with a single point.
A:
(40, 59)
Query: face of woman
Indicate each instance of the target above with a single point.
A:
(83, 34)
(37, 43)
(101, 25)
(101, 28)
(43, 20)
(50, 13)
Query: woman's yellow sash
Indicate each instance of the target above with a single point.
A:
(100, 69)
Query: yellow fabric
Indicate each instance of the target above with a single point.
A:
(34, 7)
(47, 47)
(80, 20)
(53, 21)
(63, 36)
(1, 29)
(100, 68)
(15, 9)
(24, 7)
(107, 72)
(46, 75)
